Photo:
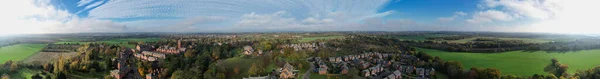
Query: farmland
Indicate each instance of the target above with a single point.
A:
(520, 62)
(19, 52)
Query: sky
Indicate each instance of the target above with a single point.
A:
(120, 16)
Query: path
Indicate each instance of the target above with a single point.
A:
(307, 73)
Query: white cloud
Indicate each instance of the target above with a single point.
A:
(451, 18)
(84, 2)
(490, 16)
(38, 16)
(536, 9)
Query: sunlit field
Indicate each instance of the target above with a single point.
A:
(19, 52)
(520, 62)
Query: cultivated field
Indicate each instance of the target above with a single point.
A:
(19, 52)
(520, 62)
(46, 57)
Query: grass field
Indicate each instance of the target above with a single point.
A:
(309, 39)
(244, 64)
(19, 52)
(526, 40)
(519, 62)
(24, 73)
(421, 37)
(46, 57)
(122, 42)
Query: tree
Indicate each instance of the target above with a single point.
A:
(236, 70)
(492, 73)
(473, 74)
(189, 53)
(36, 76)
(556, 68)
(141, 71)
(253, 70)
(5, 76)
(177, 75)
(14, 67)
(220, 76)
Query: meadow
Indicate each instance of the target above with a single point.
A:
(122, 42)
(521, 63)
(309, 39)
(525, 40)
(19, 52)
(421, 37)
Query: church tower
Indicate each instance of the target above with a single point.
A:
(179, 43)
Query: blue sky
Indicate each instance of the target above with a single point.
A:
(75, 16)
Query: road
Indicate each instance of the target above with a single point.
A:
(307, 73)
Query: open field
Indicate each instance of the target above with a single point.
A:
(122, 42)
(421, 37)
(24, 73)
(309, 39)
(520, 62)
(525, 40)
(244, 64)
(46, 57)
(19, 52)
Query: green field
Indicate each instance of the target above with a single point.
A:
(421, 37)
(526, 40)
(19, 52)
(309, 39)
(122, 42)
(520, 62)
(244, 64)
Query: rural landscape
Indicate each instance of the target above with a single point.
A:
(299, 39)
(302, 55)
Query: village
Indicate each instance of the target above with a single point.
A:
(371, 65)
(374, 65)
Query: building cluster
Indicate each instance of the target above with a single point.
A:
(149, 56)
(125, 68)
(373, 65)
(165, 49)
(303, 46)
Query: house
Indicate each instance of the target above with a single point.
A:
(430, 72)
(344, 70)
(323, 68)
(154, 54)
(364, 65)
(421, 71)
(331, 59)
(338, 59)
(366, 73)
(391, 76)
(247, 50)
(397, 74)
(287, 71)
(144, 47)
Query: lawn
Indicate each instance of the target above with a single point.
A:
(19, 52)
(24, 73)
(244, 64)
(526, 40)
(520, 62)
(309, 39)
